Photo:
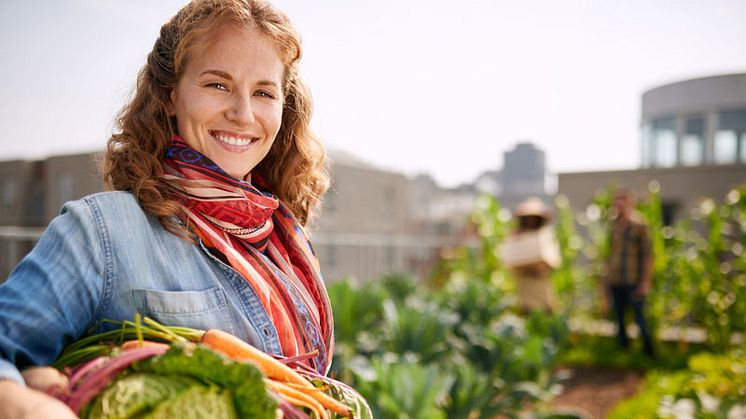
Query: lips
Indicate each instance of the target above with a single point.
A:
(232, 141)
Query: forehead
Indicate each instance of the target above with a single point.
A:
(241, 51)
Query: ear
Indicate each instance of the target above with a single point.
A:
(170, 105)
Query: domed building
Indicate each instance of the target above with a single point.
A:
(693, 135)
(695, 122)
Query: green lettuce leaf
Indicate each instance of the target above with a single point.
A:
(197, 402)
(134, 393)
(187, 381)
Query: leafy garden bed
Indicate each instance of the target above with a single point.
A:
(454, 347)
(455, 352)
(713, 386)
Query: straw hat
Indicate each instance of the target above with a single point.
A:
(533, 206)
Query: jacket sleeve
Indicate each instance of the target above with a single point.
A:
(52, 296)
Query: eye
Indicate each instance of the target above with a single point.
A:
(264, 93)
(219, 86)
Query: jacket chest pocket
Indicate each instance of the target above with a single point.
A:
(203, 310)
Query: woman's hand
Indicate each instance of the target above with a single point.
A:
(44, 378)
(19, 402)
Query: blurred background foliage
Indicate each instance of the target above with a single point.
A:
(456, 346)
(699, 277)
(713, 386)
(451, 352)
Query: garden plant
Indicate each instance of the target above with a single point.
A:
(455, 346)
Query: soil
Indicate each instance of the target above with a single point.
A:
(592, 392)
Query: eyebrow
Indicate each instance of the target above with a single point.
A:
(227, 76)
(267, 83)
(220, 73)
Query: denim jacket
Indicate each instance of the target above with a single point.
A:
(104, 258)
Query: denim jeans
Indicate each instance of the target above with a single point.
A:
(622, 296)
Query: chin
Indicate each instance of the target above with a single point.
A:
(238, 174)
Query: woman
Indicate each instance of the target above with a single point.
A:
(215, 171)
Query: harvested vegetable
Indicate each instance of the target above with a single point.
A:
(138, 393)
(156, 371)
(235, 348)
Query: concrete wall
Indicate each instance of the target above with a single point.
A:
(70, 177)
(17, 180)
(365, 200)
(31, 194)
(681, 187)
(362, 231)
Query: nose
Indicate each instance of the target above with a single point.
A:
(240, 111)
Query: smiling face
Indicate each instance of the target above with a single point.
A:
(228, 103)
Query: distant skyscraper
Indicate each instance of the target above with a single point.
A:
(523, 174)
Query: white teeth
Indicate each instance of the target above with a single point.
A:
(233, 140)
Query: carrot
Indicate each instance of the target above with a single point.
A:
(133, 344)
(327, 401)
(237, 349)
(330, 403)
(297, 397)
(299, 403)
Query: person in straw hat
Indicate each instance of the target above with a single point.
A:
(534, 287)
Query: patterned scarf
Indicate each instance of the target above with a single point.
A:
(262, 240)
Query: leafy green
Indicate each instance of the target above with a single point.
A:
(197, 402)
(245, 381)
(472, 394)
(406, 391)
(454, 352)
(186, 381)
(101, 344)
(713, 386)
(134, 393)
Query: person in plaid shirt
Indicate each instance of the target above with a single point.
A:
(629, 267)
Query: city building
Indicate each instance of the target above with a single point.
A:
(523, 175)
(693, 144)
(22, 193)
(363, 230)
(69, 177)
(489, 182)
(367, 227)
(33, 191)
(21, 205)
(31, 194)
(695, 122)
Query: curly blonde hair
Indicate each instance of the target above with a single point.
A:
(294, 169)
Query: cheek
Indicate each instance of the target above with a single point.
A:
(194, 108)
(273, 119)
(278, 123)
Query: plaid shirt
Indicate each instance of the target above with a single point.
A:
(630, 247)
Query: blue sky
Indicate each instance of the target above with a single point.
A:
(414, 86)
